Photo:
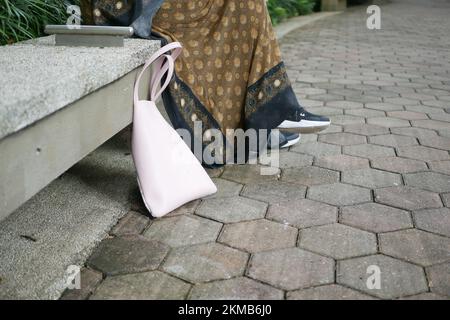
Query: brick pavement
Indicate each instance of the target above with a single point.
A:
(374, 189)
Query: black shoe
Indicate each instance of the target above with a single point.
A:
(286, 139)
(305, 122)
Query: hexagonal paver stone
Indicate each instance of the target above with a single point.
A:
(384, 106)
(441, 166)
(434, 220)
(397, 278)
(339, 194)
(291, 269)
(183, 230)
(346, 120)
(188, 208)
(407, 115)
(366, 129)
(370, 151)
(345, 104)
(439, 277)
(400, 165)
(408, 198)
(294, 160)
(89, 280)
(317, 149)
(446, 199)
(274, 192)
(389, 122)
(225, 189)
(206, 262)
(234, 209)
(302, 213)
(338, 241)
(153, 285)
(414, 132)
(416, 246)
(342, 162)
(371, 178)
(246, 174)
(259, 235)
(127, 254)
(422, 153)
(132, 223)
(430, 124)
(366, 113)
(375, 217)
(328, 292)
(436, 142)
(342, 139)
(393, 140)
(425, 296)
(432, 181)
(241, 288)
(310, 176)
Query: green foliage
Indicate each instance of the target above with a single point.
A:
(282, 9)
(25, 19)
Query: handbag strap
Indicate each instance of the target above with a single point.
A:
(163, 63)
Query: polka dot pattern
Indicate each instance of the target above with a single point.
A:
(228, 46)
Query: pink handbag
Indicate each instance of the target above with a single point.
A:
(168, 173)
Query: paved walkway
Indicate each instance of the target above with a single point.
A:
(373, 190)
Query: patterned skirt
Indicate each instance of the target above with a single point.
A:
(230, 74)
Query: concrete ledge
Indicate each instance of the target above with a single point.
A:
(39, 79)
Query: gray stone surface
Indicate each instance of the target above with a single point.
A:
(342, 139)
(423, 153)
(371, 178)
(328, 292)
(70, 67)
(317, 149)
(370, 151)
(339, 194)
(303, 213)
(398, 278)
(408, 198)
(338, 241)
(205, 262)
(241, 288)
(291, 269)
(274, 192)
(132, 223)
(434, 220)
(399, 165)
(342, 162)
(310, 176)
(439, 277)
(375, 217)
(441, 166)
(62, 224)
(128, 254)
(188, 208)
(431, 181)
(183, 231)
(366, 129)
(234, 209)
(416, 246)
(246, 174)
(89, 280)
(153, 285)
(225, 188)
(259, 235)
(393, 140)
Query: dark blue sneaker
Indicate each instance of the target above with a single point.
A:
(305, 122)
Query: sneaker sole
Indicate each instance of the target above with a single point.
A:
(306, 130)
(291, 143)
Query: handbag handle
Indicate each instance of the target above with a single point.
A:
(163, 63)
